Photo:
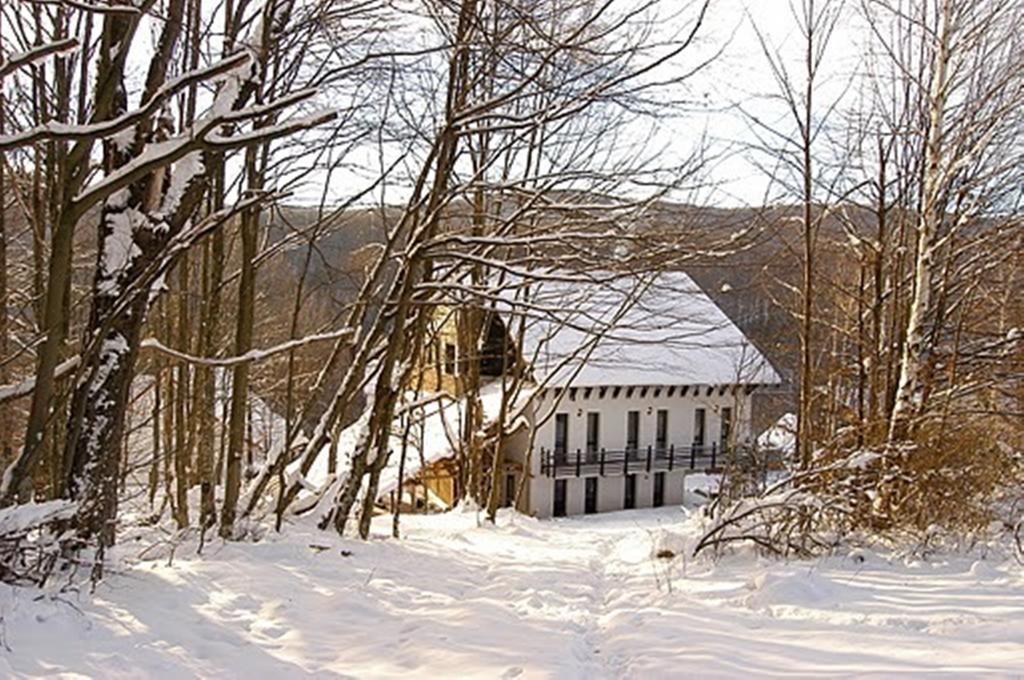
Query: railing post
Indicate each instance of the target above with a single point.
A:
(671, 456)
(625, 462)
(602, 462)
(693, 456)
(577, 462)
(649, 457)
(714, 450)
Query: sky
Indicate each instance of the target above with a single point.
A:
(737, 77)
(739, 83)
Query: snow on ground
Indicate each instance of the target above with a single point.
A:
(571, 598)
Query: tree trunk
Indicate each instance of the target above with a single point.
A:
(915, 350)
(240, 374)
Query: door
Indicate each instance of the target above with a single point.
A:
(661, 433)
(726, 433)
(632, 434)
(593, 436)
(659, 489)
(699, 423)
(560, 491)
(561, 438)
(629, 495)
(510, 490)
(590, 500)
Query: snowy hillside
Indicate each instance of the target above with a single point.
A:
(577, 598)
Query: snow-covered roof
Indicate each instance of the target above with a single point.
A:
(586, 332)
(436, 430)
(434, 435)
(781, 436)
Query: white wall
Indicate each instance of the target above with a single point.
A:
(610, 492)
(681, 409)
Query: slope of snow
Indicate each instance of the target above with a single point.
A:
(572, 598)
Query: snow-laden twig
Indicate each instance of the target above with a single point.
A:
(161, 154)
(96, 7)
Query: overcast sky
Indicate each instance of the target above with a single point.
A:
(738, 77)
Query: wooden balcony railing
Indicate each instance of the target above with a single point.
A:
(604, 463)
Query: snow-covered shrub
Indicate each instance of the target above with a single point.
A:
(31, 541)
(939, 485)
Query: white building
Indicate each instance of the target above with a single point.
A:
(635, 382)
(665, 390)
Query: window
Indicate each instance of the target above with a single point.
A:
(726, 432)
(593, 435)
(561, 437)
(590, 499)
(559, 509)
(659, 489)
(661, 433)
(629, 494)
(632, 434)
(449, 358)
(699, 419)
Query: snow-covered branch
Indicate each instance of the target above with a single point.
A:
(198, 138)
(25, 387)
(251, 356)
(20, 59)
(105, 129)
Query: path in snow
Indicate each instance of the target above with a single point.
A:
(574, 598)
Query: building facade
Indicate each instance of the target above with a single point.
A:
(600, 449)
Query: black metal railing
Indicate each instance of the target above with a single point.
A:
(604, 462)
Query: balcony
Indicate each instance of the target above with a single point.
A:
(612, 463)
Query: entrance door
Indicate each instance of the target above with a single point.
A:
(560, 493)
(590, 500)
(632, 434)
(561, 438)
(629, 498)
(593, 435)
(659, 489)
(661, 433)
(510, 490)
(699, 423)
